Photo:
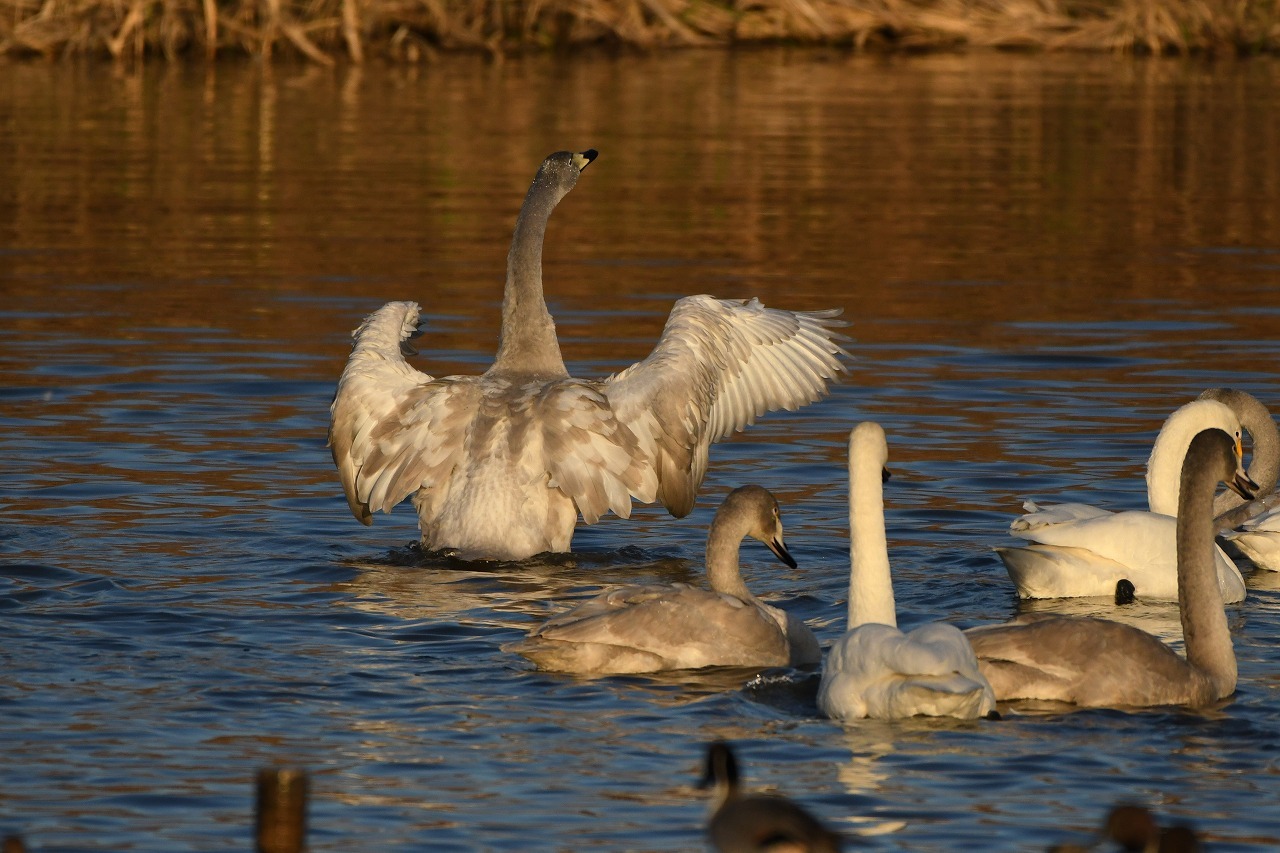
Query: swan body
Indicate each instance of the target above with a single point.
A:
(758, 823)
(653, 627)
(1079, 550)
(876, 670)
(501, 465)
(1259, 539)
(1097, 662)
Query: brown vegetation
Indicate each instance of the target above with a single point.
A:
(414, 30)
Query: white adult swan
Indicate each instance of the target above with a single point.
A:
(875, 670)
(647, 628)
(1081, 550)
(757, 823)
(500, 465)
(1096, 662)
(1253, 527)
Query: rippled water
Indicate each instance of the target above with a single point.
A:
(1041, 257)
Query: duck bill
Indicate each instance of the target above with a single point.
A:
(780, 551)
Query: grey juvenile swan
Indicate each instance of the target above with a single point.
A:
(500, 465)
(1097, 662)
(1253, 527)
(647, 628)
(763, 823)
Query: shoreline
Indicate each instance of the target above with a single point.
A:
(328, 32)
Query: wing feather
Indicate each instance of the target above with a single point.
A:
(719, 365)
(388, 421)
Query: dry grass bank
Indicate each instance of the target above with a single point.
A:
(414, 30)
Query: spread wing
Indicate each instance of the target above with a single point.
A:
(719, 365)
(392, 427)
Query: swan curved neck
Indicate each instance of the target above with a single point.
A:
(724, 541)
(1164, 466)
(1204, 620)
(527, 342)
(870, 581)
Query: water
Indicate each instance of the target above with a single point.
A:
(1041, 258)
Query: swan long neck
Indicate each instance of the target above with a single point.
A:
(870, 581)
(724, 541)
(527, 342)
(1164, 467)
(1204, 620)
(1264, 463)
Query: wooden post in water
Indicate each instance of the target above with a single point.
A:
(282, 810)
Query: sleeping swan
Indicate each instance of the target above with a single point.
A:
(1097, 662)
(501, 465)
(1080, 550)
(875, 670)
(676, 626)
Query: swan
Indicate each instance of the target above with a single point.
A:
(744, 823)
(1253, 527)
(1081, 550)
(653, 627)
(875, 670)
(1100, 663)
(501, 465)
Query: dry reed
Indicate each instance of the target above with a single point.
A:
(325, 31)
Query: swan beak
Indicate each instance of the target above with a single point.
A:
(885, 475)
(780, 551)
(406, 349)
(583, 159)
(1243, 485)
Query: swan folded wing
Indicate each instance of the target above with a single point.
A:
(1145, 543)
(592, 457)
(719, 365)
(1038, 516)
(686, 626)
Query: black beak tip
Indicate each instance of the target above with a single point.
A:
(590, 155)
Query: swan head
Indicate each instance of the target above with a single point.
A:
(757, 510)
(559, 172)
(1223, 452)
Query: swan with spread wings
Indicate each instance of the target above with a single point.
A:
(501, 465)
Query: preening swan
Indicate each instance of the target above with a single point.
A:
(1080, 550)
(676, 626)
(745, 823)
(501, 465)
(1097, 662)
(875, 670)
(1256, 523)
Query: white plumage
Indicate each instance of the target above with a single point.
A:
(501, 465)
(1079, 550)
(876, 670)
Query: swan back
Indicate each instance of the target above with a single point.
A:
(1164, 467)
(744, 823)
